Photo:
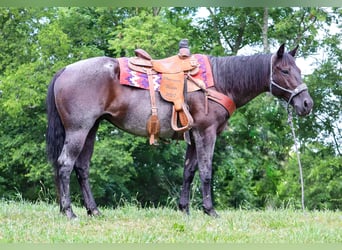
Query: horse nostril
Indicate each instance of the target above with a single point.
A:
(307, 104)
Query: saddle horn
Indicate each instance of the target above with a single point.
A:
(184, 51)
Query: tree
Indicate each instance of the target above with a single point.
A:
(254, 163)
(23, 84)
(320, 134)
(153, 33)
(22, 111)
(227, 30)
(252, 173)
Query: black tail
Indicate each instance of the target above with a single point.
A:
(55, 134)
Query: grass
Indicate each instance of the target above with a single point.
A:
(42, 223)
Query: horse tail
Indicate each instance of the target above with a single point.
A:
(55, 134)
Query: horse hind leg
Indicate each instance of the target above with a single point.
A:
(72, 147)
(82, 172)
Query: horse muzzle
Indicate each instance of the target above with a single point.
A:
(302, 103)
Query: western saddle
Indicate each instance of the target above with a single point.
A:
(174, 71)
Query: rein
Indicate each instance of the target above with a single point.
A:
(293, 93)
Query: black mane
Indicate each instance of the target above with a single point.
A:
(237, 74)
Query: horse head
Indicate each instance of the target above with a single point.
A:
(286, 81)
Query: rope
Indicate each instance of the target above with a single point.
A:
(298, 158)
(293, 93)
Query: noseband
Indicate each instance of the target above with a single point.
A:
(300, 88)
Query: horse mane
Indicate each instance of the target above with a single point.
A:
(237, 74)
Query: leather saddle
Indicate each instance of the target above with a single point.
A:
(173, 71)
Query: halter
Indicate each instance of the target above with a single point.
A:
(293, 92)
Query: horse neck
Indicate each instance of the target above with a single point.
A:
(242, 77)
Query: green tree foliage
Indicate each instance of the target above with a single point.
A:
(253, 152)
(320, 133)
(299, 27)
(146, 31)
(254, 162)
(230, 29)
(323, 178)
(23, 86)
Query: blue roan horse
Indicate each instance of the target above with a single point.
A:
(86, 92)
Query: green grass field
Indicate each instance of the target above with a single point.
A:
(42, 223)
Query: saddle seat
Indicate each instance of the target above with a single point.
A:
(173, 71)
(170, 65)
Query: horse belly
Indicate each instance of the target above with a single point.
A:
(137, 111)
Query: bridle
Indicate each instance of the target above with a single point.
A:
(299, 89)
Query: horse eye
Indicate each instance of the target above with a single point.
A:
(285, 71)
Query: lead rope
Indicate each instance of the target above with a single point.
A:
(290, 122)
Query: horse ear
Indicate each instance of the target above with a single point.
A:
(281, 51)
(294, 51)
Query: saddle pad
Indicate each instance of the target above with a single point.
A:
(140, 80)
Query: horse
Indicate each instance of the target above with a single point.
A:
(86, 92)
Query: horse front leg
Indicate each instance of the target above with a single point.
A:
(205, 144)
(188, 176)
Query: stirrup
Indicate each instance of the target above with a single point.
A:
(174, 119)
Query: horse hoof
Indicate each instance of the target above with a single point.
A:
(184, 209)
(185, 212)
(94, 212)
(211, 213)
(69, 214)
